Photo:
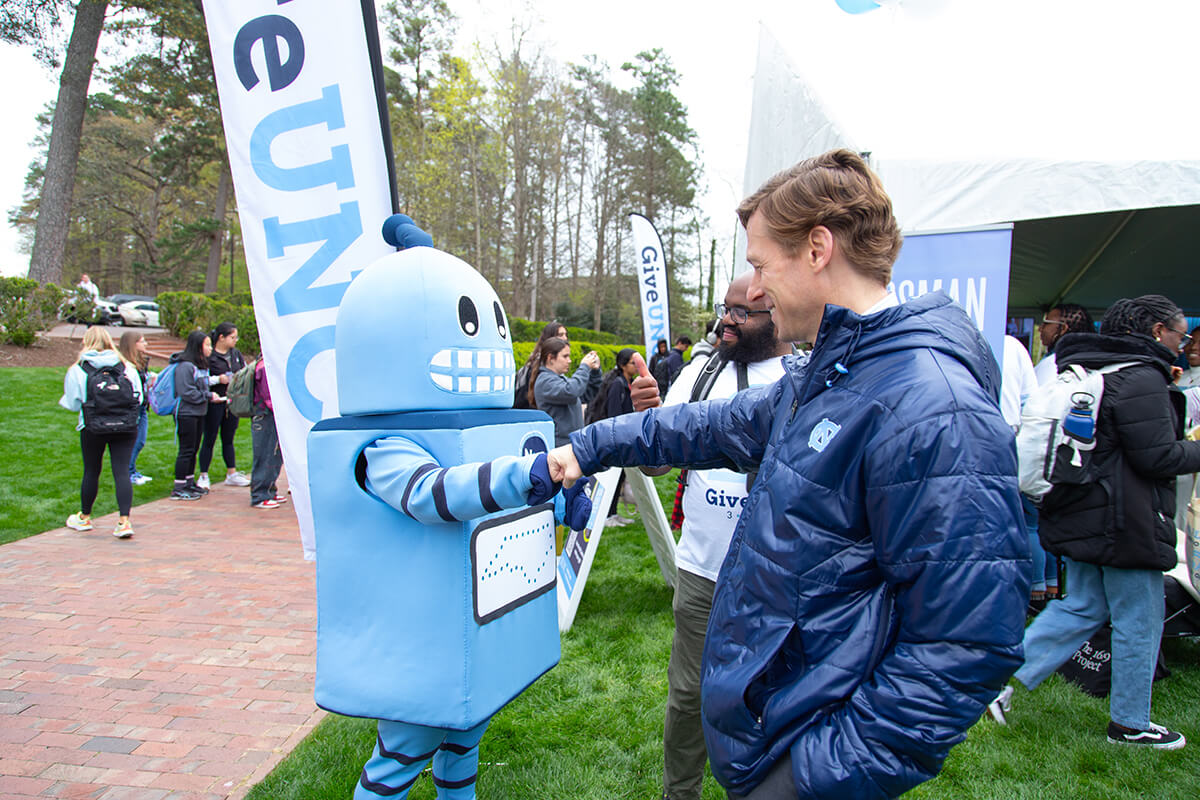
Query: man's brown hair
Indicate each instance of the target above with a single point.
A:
(839, 191)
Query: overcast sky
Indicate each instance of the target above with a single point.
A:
(918, 78)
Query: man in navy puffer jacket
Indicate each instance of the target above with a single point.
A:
(872, 601)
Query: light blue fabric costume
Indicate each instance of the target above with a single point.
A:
(435, 577)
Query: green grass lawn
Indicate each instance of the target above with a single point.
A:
(591, 728)
(40, 462)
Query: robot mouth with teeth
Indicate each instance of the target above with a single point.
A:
(472, 371)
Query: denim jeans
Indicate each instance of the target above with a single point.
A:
(1133, 598)
(1045, 568)
(268, 460)
(142, 429)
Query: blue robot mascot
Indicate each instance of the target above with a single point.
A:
(434, 515)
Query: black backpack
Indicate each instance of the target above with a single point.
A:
(521, 392)
(662, 374)
(111, 405)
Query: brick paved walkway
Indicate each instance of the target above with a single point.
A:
(175, 664)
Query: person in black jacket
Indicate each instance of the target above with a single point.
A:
(223, 364)
(194, 394)
(1117, 534)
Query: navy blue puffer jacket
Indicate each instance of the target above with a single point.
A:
(872, 601)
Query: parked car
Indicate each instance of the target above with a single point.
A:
(122, 299)
(104, 312)
(140, 312)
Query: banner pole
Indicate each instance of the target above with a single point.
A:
(375, 53)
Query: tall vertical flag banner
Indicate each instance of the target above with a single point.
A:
(651, 271)
(305, 132)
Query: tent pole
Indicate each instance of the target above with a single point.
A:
(1087, 265)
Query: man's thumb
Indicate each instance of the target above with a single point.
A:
(640, 363)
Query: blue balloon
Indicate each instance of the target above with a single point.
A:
(857, 6)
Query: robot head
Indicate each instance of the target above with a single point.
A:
(420, 330)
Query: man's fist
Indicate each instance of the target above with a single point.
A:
(563, 467)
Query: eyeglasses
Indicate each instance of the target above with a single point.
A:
(1053, 322)
(738, 314)
(1183, 339)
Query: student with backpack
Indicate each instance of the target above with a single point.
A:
(1111, 519)
(521, 393)
(226, 360)
(133, 350)
(191, 381)
(106, 391)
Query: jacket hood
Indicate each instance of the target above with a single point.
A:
(932, 321)
(101, 358)
(1094, 350)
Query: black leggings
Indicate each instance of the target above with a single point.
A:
(120, 448)
(188, 430)
(217, 420)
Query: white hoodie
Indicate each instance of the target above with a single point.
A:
(75, 382)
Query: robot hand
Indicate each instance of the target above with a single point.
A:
(578, 505)
(544, 488)
(402, 233)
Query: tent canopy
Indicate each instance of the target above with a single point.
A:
(1084, 231)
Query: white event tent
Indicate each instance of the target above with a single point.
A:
(1086, 231)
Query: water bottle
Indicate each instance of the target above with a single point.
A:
(1080, 422)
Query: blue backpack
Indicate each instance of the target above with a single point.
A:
(162, 394)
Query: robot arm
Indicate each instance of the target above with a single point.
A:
(405, 476)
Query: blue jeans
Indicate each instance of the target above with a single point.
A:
(268, 460)
(140, 442)
(1133, 598)
(1045, 568)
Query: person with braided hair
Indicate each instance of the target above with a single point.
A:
(1064, 318)
(1117, 533)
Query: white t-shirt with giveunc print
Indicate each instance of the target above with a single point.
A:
(713, 499)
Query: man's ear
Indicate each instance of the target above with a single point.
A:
(821, 246)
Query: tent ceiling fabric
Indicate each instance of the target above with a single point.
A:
(1155, 253)
(1105, 229)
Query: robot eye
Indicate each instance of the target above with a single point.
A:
(500, 326)
(468, 317)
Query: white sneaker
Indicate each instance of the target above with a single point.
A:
(202, 481)
(77, 523)
(236, 479)
(1001, 705)
(140, 480)
(616, 521)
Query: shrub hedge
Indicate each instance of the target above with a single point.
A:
(27, 307)
(184, 312)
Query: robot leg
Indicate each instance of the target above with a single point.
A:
(401, 752)
(457, 762)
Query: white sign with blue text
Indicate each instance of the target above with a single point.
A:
(969, 266)
(651, 271)
(310, 173)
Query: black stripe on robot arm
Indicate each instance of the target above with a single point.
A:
(439, 497)
(453, 784)
(420, 472)
(485, 488)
